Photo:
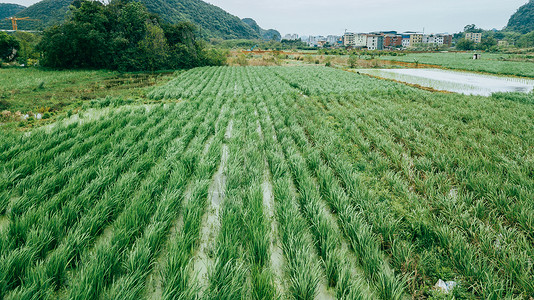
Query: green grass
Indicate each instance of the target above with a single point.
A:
(379, 191)
(32, 90)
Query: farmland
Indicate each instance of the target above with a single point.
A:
(273, 182)
(503, 64)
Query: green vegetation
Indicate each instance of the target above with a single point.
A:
(505, 64)
(267, 35)
(123, 36)
(50, 93)
(213, 21)
(8, 47)
(268, 183)
(9, 10)
(523, 20)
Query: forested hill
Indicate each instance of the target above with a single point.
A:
(211, 20)
(523, 20)
(269, 34)
(9, 10)
(43, 14)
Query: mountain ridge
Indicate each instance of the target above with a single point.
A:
(212, 21)
(9, 9)
(523, 19)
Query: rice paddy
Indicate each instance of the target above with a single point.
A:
(453, 81)
(274, 183)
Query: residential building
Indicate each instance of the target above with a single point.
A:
(503, 43)
(416, 39)
(375, 42)
(405, 40)
(348, 39)
(291, 37)
(392, 41)
(332, 39)
(474, 36)
(360, 40)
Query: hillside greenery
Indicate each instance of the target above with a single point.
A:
(212, 21)
(523, 20)
(9, 10)
(123, 36)
(266, 34)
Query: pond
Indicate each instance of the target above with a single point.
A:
(454, 81)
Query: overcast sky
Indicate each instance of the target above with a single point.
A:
(323, 17)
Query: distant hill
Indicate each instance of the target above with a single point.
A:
(8, 10)
(46, 12)
(523, 20)
(211, 20)
(269, 34)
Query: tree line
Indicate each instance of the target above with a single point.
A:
(121, 35)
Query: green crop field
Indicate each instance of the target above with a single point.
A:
(517, 65)
(273, 183)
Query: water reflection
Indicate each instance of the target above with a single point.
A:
(453, 81)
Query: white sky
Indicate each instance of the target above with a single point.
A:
(323, 17)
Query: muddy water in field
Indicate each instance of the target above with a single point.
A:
(211, 224)
(454, 81)
(4, 221)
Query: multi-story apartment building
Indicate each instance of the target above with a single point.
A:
(415, 39)
(392, 41)
(474, 36)
(348, 39)
(375, 42)
(356, 40)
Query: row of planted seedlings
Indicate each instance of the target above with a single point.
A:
(178, 280)
(241, 268)
(189, 178)
(23, 154)
(392, 224)
(38, 162)
(104, 263)
(491, 167)
(372, 263)
(222, 81)
(420, 225)
(80, 219)
(505, 248)
(302, 265)
(68, 173)
(39, 227)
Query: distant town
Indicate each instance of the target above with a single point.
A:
(381, 40)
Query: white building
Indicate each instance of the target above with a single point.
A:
(375, 42)
(360, 40)
(356, 40)
(291, 37)
(433, 39)
(332, 39)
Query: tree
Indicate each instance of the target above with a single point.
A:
(464, 44)
(154, 48)
(8, 47)
(487, 43)
(526, 40)
(472, 28)
(122, 36)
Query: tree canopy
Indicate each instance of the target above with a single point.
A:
(123, 36)
(523, 20)
(8, 47)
